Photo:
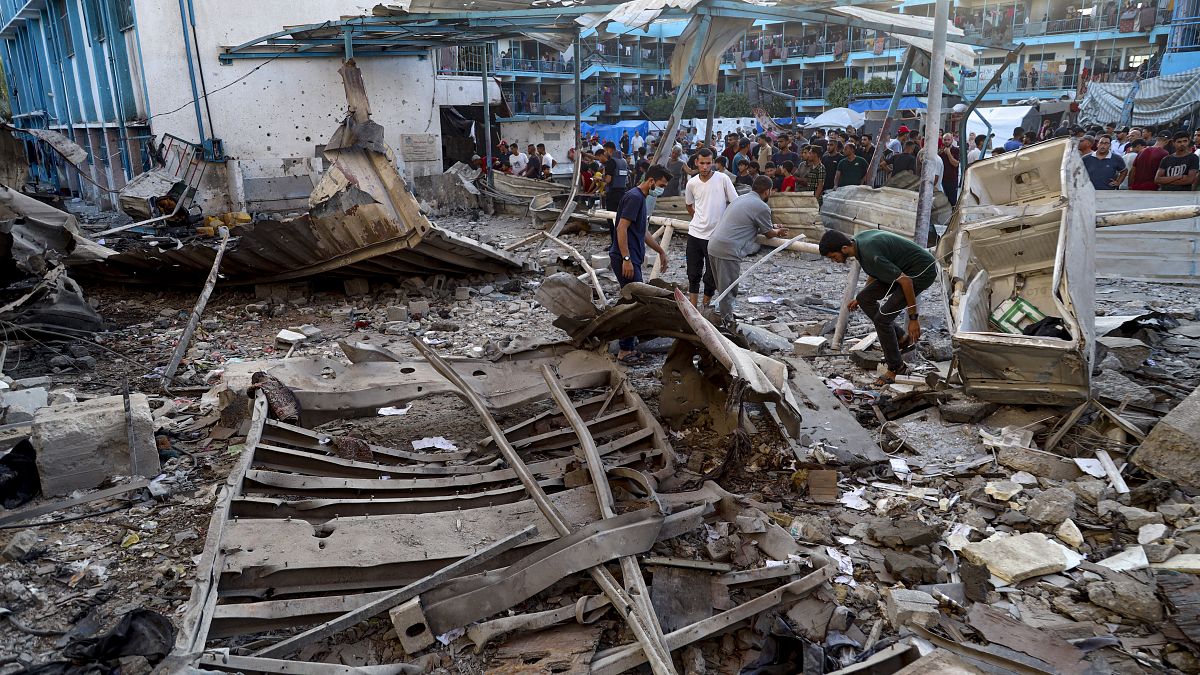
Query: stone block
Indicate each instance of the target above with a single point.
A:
(966, 411)
(1017, 558)
(462, 293)
(909, 568)
(396, 313)
(21, 544)
(80, 445)
(910, 533)
(809, 345)
(418, 308)
(32, 382)
(20, 406)
(905, 607)
(1051, 506)
(1173, 445)
(1127, 597)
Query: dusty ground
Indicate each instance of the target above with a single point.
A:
(87, 572)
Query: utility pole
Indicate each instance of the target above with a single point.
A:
(933, 118)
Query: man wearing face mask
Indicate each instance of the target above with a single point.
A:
(734, 238)
(629, 241)
(706, 195)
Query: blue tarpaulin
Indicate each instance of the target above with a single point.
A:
(612, 132)
(906, 103)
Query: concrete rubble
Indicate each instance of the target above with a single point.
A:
(444, 470)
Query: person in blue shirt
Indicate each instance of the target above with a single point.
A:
(1105, 170)
(1015, 143)
(628, 241)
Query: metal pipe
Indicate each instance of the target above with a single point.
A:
(1147, 216)
(200, 67)
(183, 22)
(1009, 59)
(753, 267)
(197, 311)
(933, 121)
(839, 331)
(660, 659)
(487, 119)
(569, 207)
(909, 54)
(122, 133)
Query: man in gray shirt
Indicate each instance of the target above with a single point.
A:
(744, 219)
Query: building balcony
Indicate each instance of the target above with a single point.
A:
(1083, 27)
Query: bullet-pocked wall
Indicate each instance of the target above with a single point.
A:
(273, 116)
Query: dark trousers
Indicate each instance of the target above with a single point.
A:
(612, 200)
(698, 269)
(951, 190)
(883, 312)
(628, 343)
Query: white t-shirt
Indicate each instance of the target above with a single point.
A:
(939, 169)
(1128, 157)
(894, 145)
(519, 162)
(636, 143)
(973, 155)
(548, 160)
(709, 198)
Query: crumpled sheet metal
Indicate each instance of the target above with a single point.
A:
(69, 149)
(38, 236)
(55, 304)
(363, 221)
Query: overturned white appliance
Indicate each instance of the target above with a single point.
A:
(1020, 247)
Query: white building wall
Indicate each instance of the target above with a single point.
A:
(558, 135)
(279, 114)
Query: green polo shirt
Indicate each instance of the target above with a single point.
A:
(885, 256)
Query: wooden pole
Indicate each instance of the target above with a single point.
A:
(839, 332)
(194, 320)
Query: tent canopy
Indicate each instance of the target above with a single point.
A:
(906, 103)
(837, 118)
(612, 132)
(1157, 100)
(1003, 120)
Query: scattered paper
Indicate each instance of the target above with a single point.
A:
(451, 635)
(392, 410)
(1092, 467)
(854, 499)
(434, 442)
(900, 468)
(763, 300)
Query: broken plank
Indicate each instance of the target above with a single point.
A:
(1114, 475)
(1183, 592)
(706, 565)
(289, 646)
(761, 574)
(566, 650)
(29, 512)
(251, 664)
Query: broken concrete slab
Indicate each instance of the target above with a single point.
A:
(1185, 562)
(909, 568)
(910, 533)
(809, 345)
(81, 445)
(967, 411)
(1020, 557)
(1069, 533)
(1127, 597)
(1172, 447)
(1116, 387)
(20, 405)
(1131, 559)
(1051, 506)
(1130, 352)
(905, 607)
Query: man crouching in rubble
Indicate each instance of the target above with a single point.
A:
(898, 271)
(629, 241)
(734, 238)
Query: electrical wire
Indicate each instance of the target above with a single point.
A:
(253, 70)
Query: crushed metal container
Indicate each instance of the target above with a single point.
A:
(1024, 228)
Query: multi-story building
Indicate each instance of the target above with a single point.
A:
(114, 74)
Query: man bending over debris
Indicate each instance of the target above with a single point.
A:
(628, 248)
(898, 270)
(746, 217)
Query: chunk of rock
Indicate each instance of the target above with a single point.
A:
(1130, 352)
(1020, 557)
(1051, 506)
(910, 533)
(1151, 533)
(1136, 517)
(20, 545)
(1127, 597)
(905, 607)
(1002, 490)
(19, 406)
(1171, 447)
(1114, 386)
(909, 568)
(966, 411)
(1069, 533)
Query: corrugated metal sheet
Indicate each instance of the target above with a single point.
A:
(1166, 251)
(362, 221)
(526, 188)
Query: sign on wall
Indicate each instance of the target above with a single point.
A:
(419, 147)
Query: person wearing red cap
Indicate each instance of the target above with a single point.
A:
(894, 145)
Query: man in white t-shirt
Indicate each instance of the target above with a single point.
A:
(517, 160)
(547, 158)
(636, 143)
(706, 195)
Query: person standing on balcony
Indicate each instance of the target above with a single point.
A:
(706, 195)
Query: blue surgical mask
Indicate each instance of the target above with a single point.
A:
(657, 191)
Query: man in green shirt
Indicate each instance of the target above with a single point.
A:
(898, 270)
(851, 169)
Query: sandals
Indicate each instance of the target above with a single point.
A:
(890, 376)
(907, 345)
